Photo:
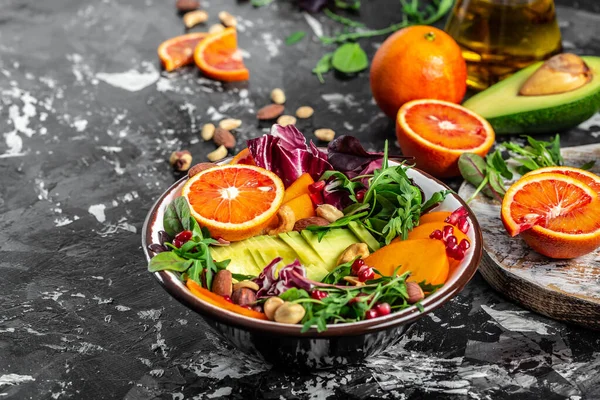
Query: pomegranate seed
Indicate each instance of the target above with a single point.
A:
(357, 265)
(463, 224)
(227, 298)
(372, 313)
(464, 245)
(360, 195)
(451, 241)
(459, 212)
(455, 252)
(365, 274)
(318, 294)
(181, 238)
(383, 309)
(437, 234)
(316, 187)
(448, 231)
(177, 243)
(316, 198)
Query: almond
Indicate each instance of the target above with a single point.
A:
(199, 168)
(415, 293)
(224, 137)
(271, 111)
(301, 224)
(222, 283)
(187, 5)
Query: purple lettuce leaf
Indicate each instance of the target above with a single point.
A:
(336, 196)
(292, 275)
(286, 153)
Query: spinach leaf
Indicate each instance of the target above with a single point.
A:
(350, 58)
(168, 260)
(323, 66)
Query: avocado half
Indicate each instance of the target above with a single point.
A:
(508, 112)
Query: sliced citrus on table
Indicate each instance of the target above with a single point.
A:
(218, 57)
(557, 215)
(243, 157)
(437, 132)
(234, 202)
(179, 51)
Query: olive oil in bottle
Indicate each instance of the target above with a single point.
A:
(499, 37)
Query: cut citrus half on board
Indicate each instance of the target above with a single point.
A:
(218, 57)
(234, 202)
(437, 132)
(557, 215)
(243, 157)
(179, 51)
(590, 179)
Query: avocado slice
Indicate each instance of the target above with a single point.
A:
(508, 112)
(364, 235)
(315, 272)
(305, 253)
(331, 246)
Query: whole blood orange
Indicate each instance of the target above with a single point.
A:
(557, 215)
(437, 132)
(179, 51)
(419, 62)
(234, 202)
(218, 57)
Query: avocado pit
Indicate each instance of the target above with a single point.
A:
(559, 74)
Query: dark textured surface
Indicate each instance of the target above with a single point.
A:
(82, 160)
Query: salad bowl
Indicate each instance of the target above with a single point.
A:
(339, 344)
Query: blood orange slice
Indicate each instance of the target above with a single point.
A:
(437, 132)
(556, 214)
(219, 58)
(590, 179)
(234, 202)
(179, 51)
(243, 157)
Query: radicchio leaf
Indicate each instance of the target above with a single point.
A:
(292, 275)
(286, 153)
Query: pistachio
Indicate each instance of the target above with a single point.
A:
(415, 293)
(193, 18)
(286, 120)
(278, 96)
(287, 219)
(303, 223)
(227, 19)
(221, 284)
(187, 5)
(181, 160)
(270, 111)
(289, 313)
(219, 154)
(304, 112)
(329, 212)
(223, 137)
(216, 28)
(353, 281)
(271, 305)
(208, 131)
(196, 169)
(354, 250)
(243, 297)
(246, 284)
(230, 124)
(325, 134)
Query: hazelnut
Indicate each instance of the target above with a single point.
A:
(181, 160)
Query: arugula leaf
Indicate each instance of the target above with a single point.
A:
(338, 273)
(349, 58)
(343, 20)
(588, 165)
(240, 277)
(295, 37)
(343, 4)
(167, 260)
(323, 66)
(260, 3)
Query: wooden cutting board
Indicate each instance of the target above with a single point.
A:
(566, 290)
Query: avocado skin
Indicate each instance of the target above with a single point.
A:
(548, 120)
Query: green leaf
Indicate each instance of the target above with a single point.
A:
(351, 5)
(343, 20)
(168, 261)
(295, 38)
(588, 165)
(495, 161)
(338, 273)
(242, 277)
(260, 3)
(474, 170)
(349, 58)
(323, 66)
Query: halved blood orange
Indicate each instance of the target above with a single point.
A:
(243, 157)
(179, 51)
(234, 202)
(590, 179)
(437, 132)
(557, 215)
(218, 57)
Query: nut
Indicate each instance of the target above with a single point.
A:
(354, 250)
(271, 111)
(305, 112)
(230, 124)
(216, 28)
(287, 219)
(181, 160)
(278, 96)
(219, 154)
(246, 284)
(193, 18)
(227, 19)
(415, 293)
(325, 135)
(303, 223)
(329, 212)
(208, 131)
(289, 313)
(187, 5)
(353, 281)
(224, 137)
(243, 297)
(286, 120)
(271, 305)
(196, 169)
(221, 284)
